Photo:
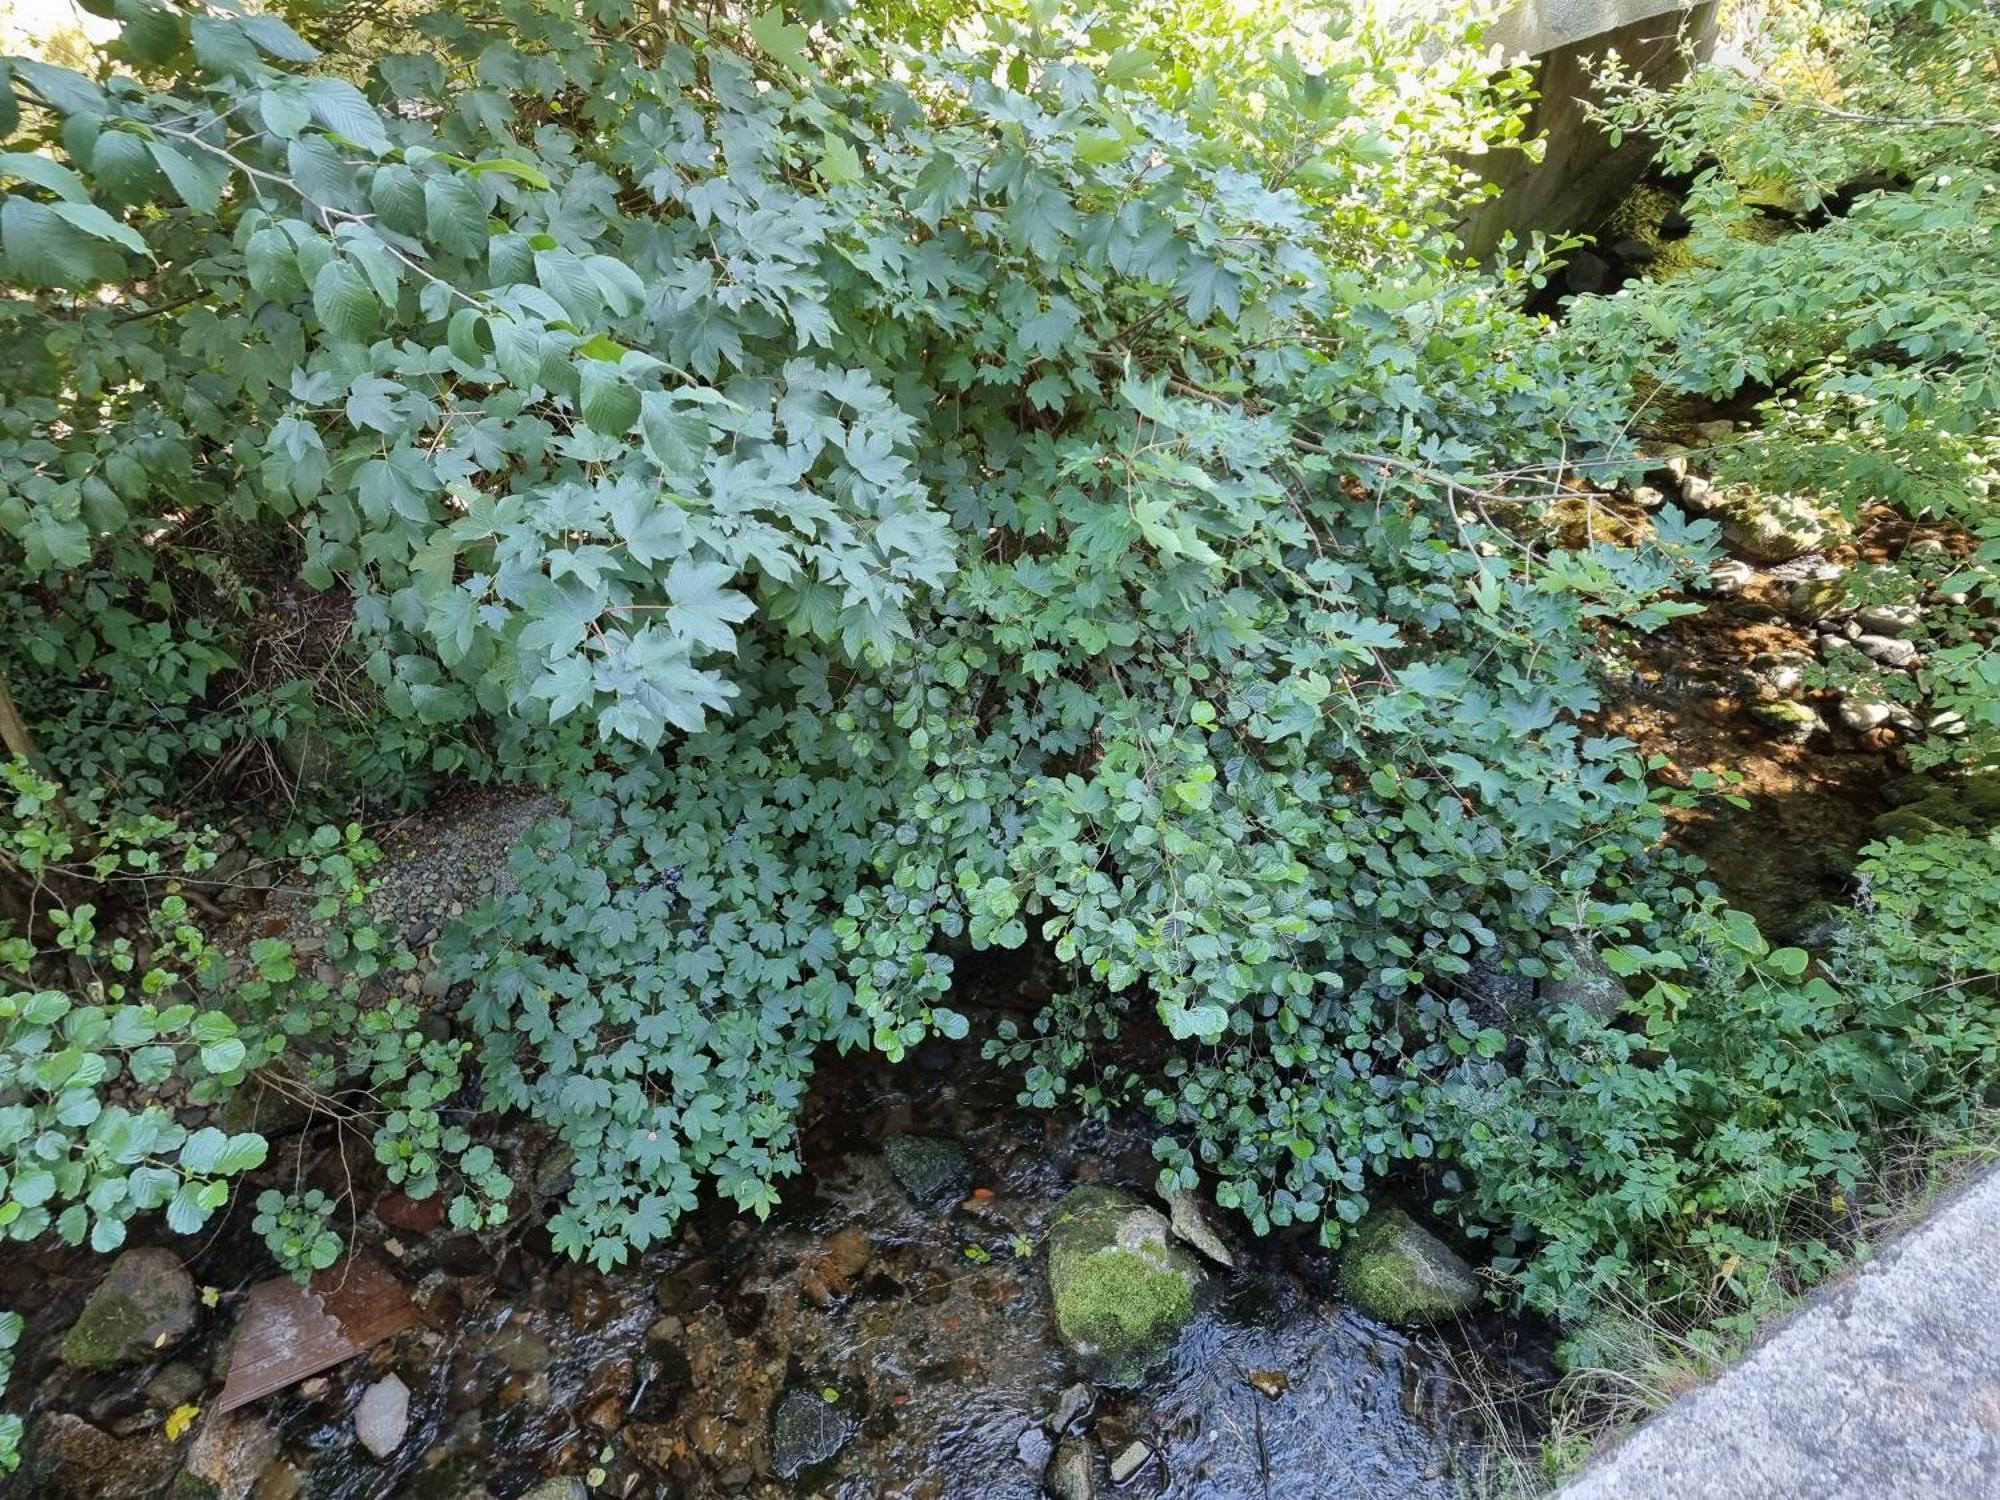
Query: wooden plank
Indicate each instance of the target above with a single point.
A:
(289, 1332)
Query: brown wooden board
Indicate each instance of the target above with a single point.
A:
(289, 1332)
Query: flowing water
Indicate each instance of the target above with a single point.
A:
(922, 1337)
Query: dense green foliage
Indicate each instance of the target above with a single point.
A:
(1870, 337)
(914, 482)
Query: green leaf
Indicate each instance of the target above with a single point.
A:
(456, 215)
(838, 161)
(340, 107)
(508, 166)
(94, 221)
(275, 39)
(608, 401)
(44, 173)
(344, 303)
(678, 440)
(781, 42)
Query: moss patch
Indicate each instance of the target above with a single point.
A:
(1123, 1288)
(1396, 1270)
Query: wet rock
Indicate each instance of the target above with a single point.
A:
(1888, 650)
(521, 1350)
(227, 1455)
(1072, 1473)
(1034, 1449)
(1587, 273)
(559, 1489)
(145, 1304)
(1776, 528)
(1188, 1215)
(382, 1416)
(931, 1170)
(1124, 1287)
(1074, 1408)
(842, 1257)
(1590, 985)
(1394, 1269)
(1130, 1460)
(1797, 722)
(65, 1458)
(176, 1384)
(806, 1429)
(1269, 1383)
(398, 1210)
(1634, 253)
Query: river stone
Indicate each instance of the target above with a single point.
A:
(1776, 528)
(1891, 651)
(382, 1416)
(1817, 599)
(1797, 722)
(806, 1429)
(65, 1458)
(1395, 1269)
(559, 1489)
(1077, 1403)
(932, 1171)
(1130, 1460)
(1189, 1217)
(1591, 986)
(226, 1456)
(1072, 1472)
(143, 1305)
(1124, 1287)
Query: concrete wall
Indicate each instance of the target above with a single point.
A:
(1581, 176)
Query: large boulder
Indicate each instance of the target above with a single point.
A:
(66, 1458)
(1124, 1286)
(1586, 982)
(1776, 528)
(1394, 1269)
(144, 1304)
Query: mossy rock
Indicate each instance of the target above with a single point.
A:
(1124, 1287)
(145, 1303)
(1589, 983)
(931, 1170)
(1788, 720)
(1970, 804)
(1394, 1269)
(1770, 528)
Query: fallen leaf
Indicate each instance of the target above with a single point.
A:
(179, 1420)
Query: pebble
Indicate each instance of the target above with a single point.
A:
(1034, 1449)
(1731, 575)
(1863, 714)
(1886, 619)
(1130, 1460)
(382, 1417)
(1648, 497)
(1076, 1405)
(521, 1350)
(1072, 1473)
(1888, 650)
